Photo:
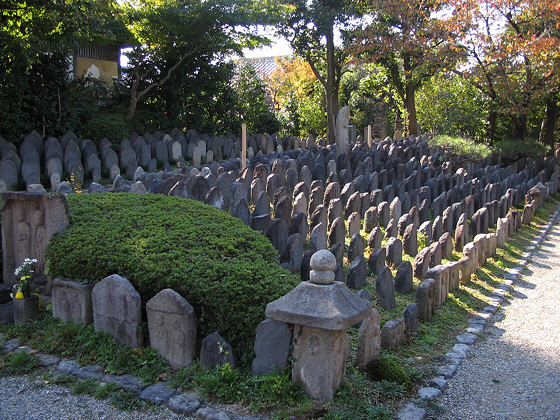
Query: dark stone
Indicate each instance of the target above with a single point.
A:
(357, 273)
(375, 238)
(158, 393)
(283, 210)
(376, 261)
(410, 240)
(292, 256)
(272, 346)
(421, 263)
(403, 279)
(278, 235)
(337, 232)
(384, 287)
(186, 404)
(410, 316)
(446, 244)
(298, 224)
(356, 247)
(241, 211)
(425, 299)
(394, 252)
(339, 274)
(305, 267)
(216, 351)
(338, 251)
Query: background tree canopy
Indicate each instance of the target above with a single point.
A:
(485, 70)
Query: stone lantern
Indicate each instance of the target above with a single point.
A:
(321, 310)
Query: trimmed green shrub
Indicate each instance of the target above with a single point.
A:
(387, 369)
(226, 270)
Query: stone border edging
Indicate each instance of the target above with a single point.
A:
(161, 393)
(477, 324)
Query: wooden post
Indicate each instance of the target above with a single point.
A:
(369, 141)
(243, 146)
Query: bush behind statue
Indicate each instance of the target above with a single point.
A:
(226, 270)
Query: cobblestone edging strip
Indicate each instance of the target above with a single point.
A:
(188, 404)
(477, 324)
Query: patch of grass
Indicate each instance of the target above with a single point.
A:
(19, 364)
(88, 347)
(127, 401)
(86, 386)
(461, 146)
(104, 391)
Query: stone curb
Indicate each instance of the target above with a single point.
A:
(477, 325)
(187, 403)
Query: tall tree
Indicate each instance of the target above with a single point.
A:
(167, 33)
(409, 39)
(514, 52)
(311, 28)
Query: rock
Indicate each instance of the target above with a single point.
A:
(68, 366)
(429, 393)
(392, 333)
(158, 393)
(411, 412)
(209, 413)
(369, 339)
(71, 301)
(47, 360)
(216, 351)
(117, 310)
(403, 279)
(357, 273)
(172, 327)
(385, 289)
(187, 403)
(272, 346)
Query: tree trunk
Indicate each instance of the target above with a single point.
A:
(409, 100)
(491, 129)
(519, 126)
(410, 104)
(330, 89)
(547, 132)
(132, 106)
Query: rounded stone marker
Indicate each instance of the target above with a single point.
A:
(322, 264)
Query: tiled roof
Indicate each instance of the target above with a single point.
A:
(264, 66)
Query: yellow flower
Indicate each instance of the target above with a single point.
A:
(19, 294)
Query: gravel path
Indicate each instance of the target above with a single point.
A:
(33, 399)
(515, 372)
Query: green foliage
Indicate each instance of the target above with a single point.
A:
(227, 271)
(385, 368)
(19, 364)
(252, 102)
(460, 146)
(275, 389)
(104, 391)
(515, 149)
(390, 389)
(449, 105)
(70, 340)
(127, 401)
(86, 386)
(224, 383)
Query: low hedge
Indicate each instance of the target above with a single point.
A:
(227, 271)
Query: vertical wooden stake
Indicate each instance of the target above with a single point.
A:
(243, 146)
(369, 135)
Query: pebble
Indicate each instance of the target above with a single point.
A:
(438, 382)
(466, 338)
(11, 345)
(209, 413)
(68, 366)
(47, 360)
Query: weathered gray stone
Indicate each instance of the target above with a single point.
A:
(354, 224)
(357, 273)
(172, 327)
(187, 403)
(369, 339)
(410, 315)
(356, 247)
(428, 393)
(216, 351)
(394, 252)
(375, 238)
(392, 333)
(68, 366)
(71, 301)
(158, 393)
(337, 232)
(411, 412)
(410, 240)
(209, 413)
(370, 219)
(425, 299)
(376, 261)
(403, 278)
(117, 310)
(272, 347)
(385, 289)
